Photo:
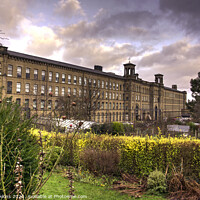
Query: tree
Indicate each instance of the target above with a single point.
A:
(81, 104)
(194, 105)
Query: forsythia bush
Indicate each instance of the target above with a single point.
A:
(138, 155)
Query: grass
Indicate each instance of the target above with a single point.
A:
(57, 188)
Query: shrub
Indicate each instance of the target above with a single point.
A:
(16, 139)
(100, 161)
(156, 182)
(114, 128)
(52, 155)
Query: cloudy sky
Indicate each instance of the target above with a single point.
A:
(159, 36)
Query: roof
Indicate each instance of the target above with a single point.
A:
(178, 128)
(62, 64)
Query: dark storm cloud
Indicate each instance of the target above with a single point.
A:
(124, 25)
(184, 13)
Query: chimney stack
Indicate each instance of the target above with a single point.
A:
(174, 87)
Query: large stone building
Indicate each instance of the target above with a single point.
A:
(30, 80)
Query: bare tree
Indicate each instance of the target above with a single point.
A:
(81, 105)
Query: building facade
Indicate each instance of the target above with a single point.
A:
(36, 84)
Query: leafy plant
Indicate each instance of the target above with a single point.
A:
(156, 182)
(15, 140)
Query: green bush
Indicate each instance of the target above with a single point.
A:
(16, 139)
(156, 182)
(51, 157)
(114, 128)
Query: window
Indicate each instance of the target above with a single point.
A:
(103, 95)
(80, 92)
(35, 87)
(63, 78)
(56, 104)
(50, 89)
(56, 90)
(43, 75)
(102, 84)
(113, 95)
(27, 73)
(42, 90)
(10, 70)
(27, 87)
(120, 106)
(110, 95)
(102, 117)
(69, 79)
(80, 80)
(110, 85)
(120, 96)
(85, 91)
(9, 87)
(110, 105)
(117, 96)
(113, 106)
(18, 101)
(106, 105)
(98, 84)
(90, 81)
(85, 81)
(117, 86)
(18, 89)
(34, 104)
(35, 74)
(106, 95)
(74, 80)
(94, 83)
(26, 103)
(102, 106)
(19, 72)
(74, 92)
(106, 85)
(69, 90)
(49, 104)
(98, 105)
(63, 91)
(50, 76)
(117, 106)
(113, 86)
(57, 77)
(42, 104)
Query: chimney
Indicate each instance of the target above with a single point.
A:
(174, 87)
(98, 68)
(3, 50)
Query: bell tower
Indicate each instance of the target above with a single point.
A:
(129, 70)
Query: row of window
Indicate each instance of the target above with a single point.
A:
(76, 80)
(110, 117)
(144, 98)
(49, 104)
(108, 95)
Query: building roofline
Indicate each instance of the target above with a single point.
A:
(62, 64)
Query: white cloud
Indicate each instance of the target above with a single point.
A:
(42, 39)
(69, 8)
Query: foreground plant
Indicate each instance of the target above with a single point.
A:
(15, 137)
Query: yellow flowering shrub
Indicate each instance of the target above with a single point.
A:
(138, 155)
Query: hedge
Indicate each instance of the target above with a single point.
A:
(137, 155)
